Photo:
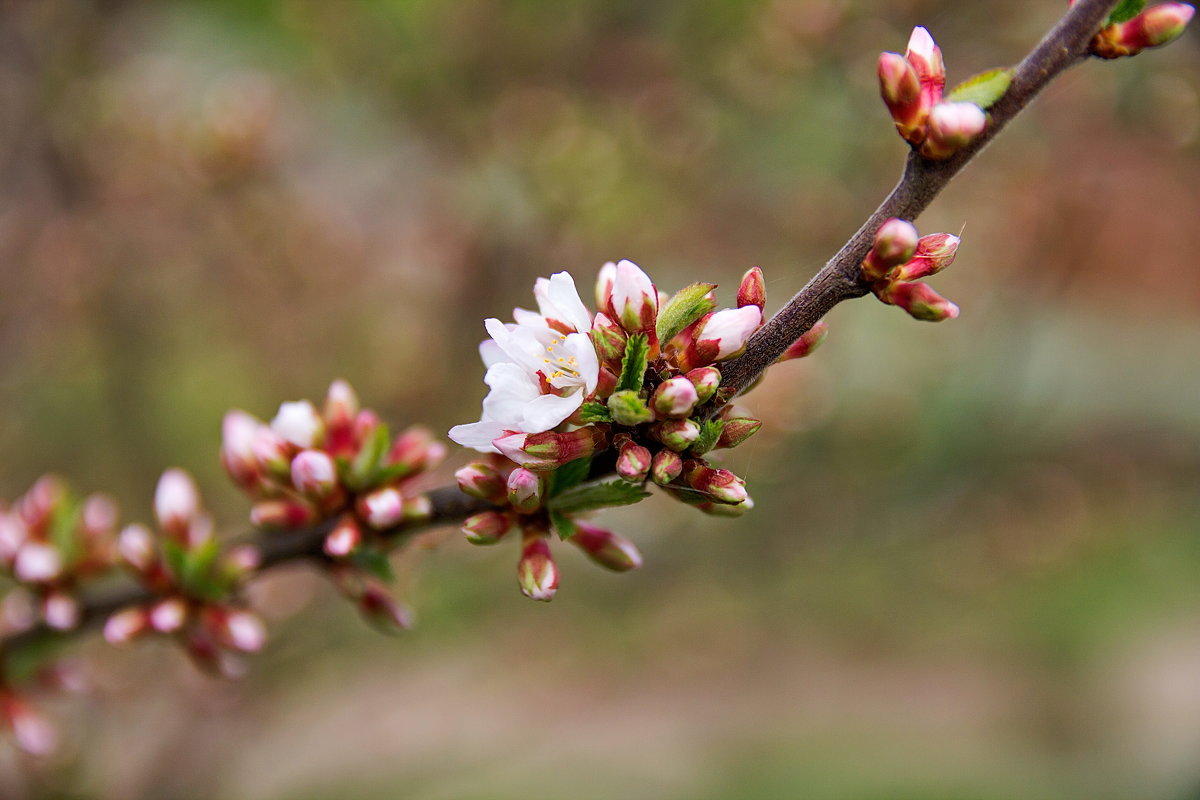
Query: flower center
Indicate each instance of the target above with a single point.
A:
(559, 366)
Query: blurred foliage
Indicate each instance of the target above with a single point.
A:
(972, 569)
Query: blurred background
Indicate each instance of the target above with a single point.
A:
(974, 567)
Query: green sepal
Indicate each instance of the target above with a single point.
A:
(365, 468)
(628, 408)
(174, 556)
(591, 411)
(568, 475)
(373, 562)
(64, 530)
(589, 496)
(710, 432)
(633, 365)
(563, 525)
(1125, 11)
(688, 305)
(197, 575)
(984, 89)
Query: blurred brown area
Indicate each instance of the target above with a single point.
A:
(973, 568)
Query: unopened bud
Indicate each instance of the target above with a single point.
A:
(719, 484)
(37, 562)
(379, 608)
(98, 517)
(341, 407)
(33, 733)
(628, 408)
(176, 503)
(345, 537)
(609, 339)
(726, 509)
(737, 430)
(137, 547)
(549, 450)
(952, 126)
(525, 490)
(314, 473)
(482, 481)
(272, 453)
(934, 253)
(752, 291)
(299, 424)
(706, 380)
(417, 508)
(416, 450)
(236, 628)
(1154, 27)
(920, 301)
(60, 611)
(895, 242)
(900, 88)
(634, 300)
(926, 60)
(169, 615)
(282, 513)
(606, 548)
(808, 342)
(729, 329)
(675, 398)
(633, 462)
(537, 573)
(666, 467)
(241, 561)
(382, 508)
(487, 527)
(604, 285)
(677, 434)
(125, 626)
(238, 453)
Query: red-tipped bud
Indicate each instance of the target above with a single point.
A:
(482, 481)
(38, 504)
(238, 453)
(895, 242)
(314, 474)
(235, 628)
(728, 330)
(241, 561)
(719, 484)
(752, 291)
(606, 548)
(169, 615)
(706, 380)
(666, 467)
(487, 527)
(60, 610)
(633, 462)
(37, 562)
(299, 424)
(525, 490)
(98, 517)
(926, 59)
(382, 508)
(604, 285)
(126, 625)
(383, 611)
(345, 537)
(677, 434)
(675, 398)
(634, 300)
(176, 503)
(1154, 27)
(341, 408)
(537, 573)
(137, 548)
(934, 253)
(807, 343)
(282, 513)
(33, 733)
(952, 126)
(737, 430)
(609, 339)
(416, 450)
(920, 301)
(549, 450)
(900, 88)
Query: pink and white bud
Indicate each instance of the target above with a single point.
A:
(609, 339)
(314, 474)
(537, 573)
(900, 88)
(1154, 27)
(282, 513)
(126, 625)
(808, 342)
(752, 291)
(729, 330)
(341, 407)
(169, 615)
(33, 733)
(926, 59)
(675, 398)
(525, 490)
(176, 503)
(60, 611)
(345, 538)
(37, 562)
(382, 508)
(487, 527)
(416, 450)
(677, 434)
(607, 548)
(633, 462)
(605, 280)
(549, 450)
(920, 301)
(239, 456)
(299, 424)
(952, 126)
(379, 608)
(706, 380)
(98, 517)
(417, 508)
(272, 452)
(895, 242)
(634, 301)
(241, 561)
(12, 534)
(482, 481)
(38, 504)
(934, 253)
(719, 484)
(236, 628)
(666, 467)
(137, 548)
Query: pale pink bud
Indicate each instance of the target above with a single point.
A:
(525, 490)
(706, 380)
(895, 242)
(341, 406)
(242, 560)
(537, 573)
(1154, 27)
(934, 253)
(952, 126)
(482, 481)
(418, 508)
(137, 548)
(926, 59)
(719, 484)
(239, 455)
(752, 291)
(416, 450)
(98, 517)
(675, 398)
(299, 424)
(921, 302)
(176, 502)
(677, 434)
(604, 285)
(382, 610)
(37, 562)
(900, 88)
(808, 342)
(236, 628)
(666, 467)
(60, 611)
(729, 330)
(281, 513)
(382, 508)
(271, 452)
(169, 615)
(38, 504)
(633, 462)
(634, 298)
(607, 548)
(344, 539)
(33, 733)
(314, 473)
(125, 626)
(550, 450)
(726, 509)
(12, 534)
(487, 527)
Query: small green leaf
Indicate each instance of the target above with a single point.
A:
(64, 533)
(983, 89)
(564, 526)
(364, 469)
(175, 557)
(633, 365)
(710, 432)
(568, 475)
(597, 495)
(374, 562)
(196, 577)
(688, 305)
(1125, 11)
(591, 411)
(628, 408)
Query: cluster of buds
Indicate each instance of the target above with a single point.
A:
(194, 582)
(1131, 30)
(912, 86)
(48, 544)
(899, 258)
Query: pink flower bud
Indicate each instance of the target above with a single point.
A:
(417, 508)
(633, 462)
(241, 561)
(675, 398)
(609, 339)
(341, 408)
(98, 517)
(900, 88)
(38, 504)
(480, 480)
(281, 513)
(895, 242)
(525, 489)
(808, 342)
(176, 503)
(379, 608)
(634, 301)
(12, 534)
(752, 291)
(60, 611)
(706, 380)
(487, 527)
(666, 467)
(737, 429)
(1154, 27)
(299, 424)
(239, 456)
(926, 59)
(677, 434)
(33, 733)
(729, 330)
(537, 573)
(125, 626)
(920, 301)
(607, 548)
(726, 509)
(235, 628)
(345, 537)
(604, 285)
(382, 508)
(549, 450)
(169, 615)
(934, 253)
(952, 126)
(37, 562)
(137, 548)
(416, 450)
(314, 473)
(272, 453)
(719, 484)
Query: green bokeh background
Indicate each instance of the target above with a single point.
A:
(973, 571)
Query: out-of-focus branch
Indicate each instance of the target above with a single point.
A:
(1065, 45)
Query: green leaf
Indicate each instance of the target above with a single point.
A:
(568, 475)
(64, 530)
(597, 495)
(1125, 11)
(633, 365)
(688, 305)
(983, 89)
(197, 577)
(374, 562)
(591, 411)
(364, 469)
(628, 408)
(174, 556)
(710, 432)
(564, 526)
